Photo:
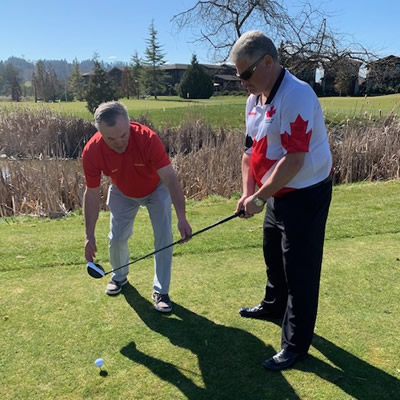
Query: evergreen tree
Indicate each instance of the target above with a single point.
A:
(39, 81)
(35, 87)
(16, 91)
(53, 85)
(136, 73)
(127, 87)
(12, 80)
(76, 82)
(153, 77)
(196, 83)
(100, 88)
(2, 84)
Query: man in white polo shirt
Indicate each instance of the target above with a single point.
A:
(287, 164)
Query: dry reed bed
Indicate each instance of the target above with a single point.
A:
(362, 152)
(42, 133)
(207, 161)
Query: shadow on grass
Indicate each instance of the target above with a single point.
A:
(351, 374)
(229, 358)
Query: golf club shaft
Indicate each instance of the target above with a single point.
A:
(179, 241)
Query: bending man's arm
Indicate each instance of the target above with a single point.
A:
(91, 205)
(169, 178)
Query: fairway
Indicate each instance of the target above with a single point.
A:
(342, 108)
(225, 111)
(55, 320)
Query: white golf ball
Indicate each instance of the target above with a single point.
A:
(99, 362)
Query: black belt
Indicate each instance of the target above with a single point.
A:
(326, 180)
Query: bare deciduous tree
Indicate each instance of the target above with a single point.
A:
(302, 34)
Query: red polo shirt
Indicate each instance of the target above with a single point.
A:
(133, 172)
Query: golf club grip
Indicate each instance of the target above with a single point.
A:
(241, 212)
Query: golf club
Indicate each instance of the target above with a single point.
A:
(97, 271)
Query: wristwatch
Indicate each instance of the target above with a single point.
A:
(258, 201)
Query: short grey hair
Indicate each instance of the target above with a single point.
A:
(107, 113)
(251, 46)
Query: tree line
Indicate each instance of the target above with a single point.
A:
(304, 39)
(142, 76)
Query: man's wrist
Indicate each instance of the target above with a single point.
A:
(258, 201)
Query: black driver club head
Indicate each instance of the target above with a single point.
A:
(95, 270)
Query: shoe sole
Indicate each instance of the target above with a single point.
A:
(114, 293)
(277, 367)
(262, 316)
(163, 310)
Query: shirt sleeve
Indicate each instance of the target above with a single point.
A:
(92, 173)
(157, 155)
(297, 120)
(249, 138)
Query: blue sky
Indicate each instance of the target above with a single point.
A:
(56, 29)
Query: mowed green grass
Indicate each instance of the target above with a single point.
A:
(224, 111)
(339, 108)
(228, 111)
(55, 320)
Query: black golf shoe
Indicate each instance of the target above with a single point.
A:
(283, 360)
(260, 311)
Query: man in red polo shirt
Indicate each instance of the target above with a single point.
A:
(141, 174)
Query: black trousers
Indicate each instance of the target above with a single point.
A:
(294, 232)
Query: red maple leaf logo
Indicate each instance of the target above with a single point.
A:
(270, 112)
(299, 140)
(260, 164)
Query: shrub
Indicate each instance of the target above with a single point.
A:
(196, 83)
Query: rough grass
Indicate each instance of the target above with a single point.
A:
(55, 320)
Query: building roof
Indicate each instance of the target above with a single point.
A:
(186, 66)
(174, 66)
(386, 60)
(227, 77)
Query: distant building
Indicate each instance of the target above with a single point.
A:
(341, 78)
(223, 76)
(114, 73)
(383, 76)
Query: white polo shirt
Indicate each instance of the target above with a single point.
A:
(291, 121)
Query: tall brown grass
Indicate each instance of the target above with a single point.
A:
(36, 178)
(365, 152)
(42, 133)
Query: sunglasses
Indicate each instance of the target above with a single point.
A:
(246, 75)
